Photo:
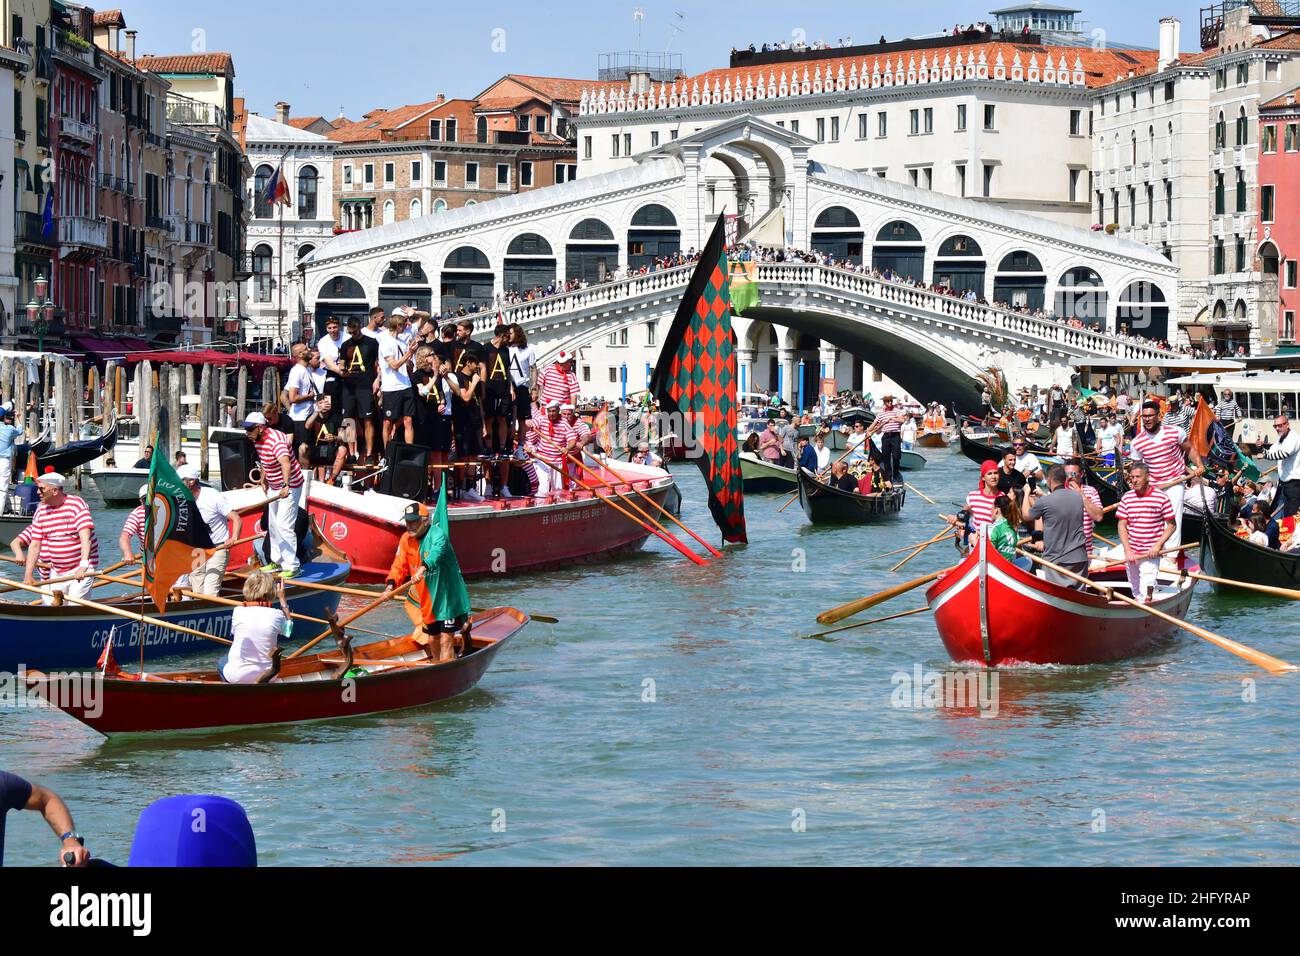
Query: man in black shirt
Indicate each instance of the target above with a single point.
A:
(359, 360)
(841, 479)
(1011, 480)
(17, 794)
(146, 458)
(498, 406)
(465, 347)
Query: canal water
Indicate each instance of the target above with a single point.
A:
(681, 715)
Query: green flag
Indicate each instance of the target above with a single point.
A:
(176, 538)
(447, 593)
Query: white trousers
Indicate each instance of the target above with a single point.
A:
(1176, 495)
(72, 589)
(208, 581)
(281, 542)
(1142, 575)
(549, 479)
(6, 473)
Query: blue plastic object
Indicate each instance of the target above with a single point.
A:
(193, 830)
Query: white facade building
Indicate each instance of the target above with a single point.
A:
(9, 304)
(279, 236)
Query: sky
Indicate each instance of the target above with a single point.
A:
(326, 57)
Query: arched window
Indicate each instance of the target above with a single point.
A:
(405, 283)
(390, 212)
(591, 230)
(592, 252)
(838, 234)
(1243, 127)
(1239, 310)
(305, 250)
(262, 281)
(899, 251)
(261, 205)
(416, 209)
(1020, 281)
(1220, 310)
(1143, 311)
(529, 244)
(307, 178)
(530, 263)
(654, 215)
(466, 281)
(466, 257)
(1221, 131)
(1081, 295)
(960, 266)
(1268, 257)
(899, 231)
(958, 246)
(837, 217)
(405, 272)
(1133, 138)
(653, 236)
(439, 205)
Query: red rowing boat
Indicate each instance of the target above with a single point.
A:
(496, 537)
(990, 612)
(397, 675)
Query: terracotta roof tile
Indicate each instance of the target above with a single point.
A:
(109, 18)
(302, 122)
(1285, 41)
(1280, 102)
(195, 63)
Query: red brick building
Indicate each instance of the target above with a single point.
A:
(1279, 203)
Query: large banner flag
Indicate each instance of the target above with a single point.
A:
(696, 379)
(1210, 440)
(176, 538)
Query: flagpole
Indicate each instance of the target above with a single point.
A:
(280, 286)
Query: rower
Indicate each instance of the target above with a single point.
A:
(62, 536)
(1162, 447)
(1146, 521)
(1062, 514)
(425, 554)
(889, 424)
(281, 475)
(133, 530)
(215, 510)
(583, 436)
(255, 629)
(558, 383)
(548, 436)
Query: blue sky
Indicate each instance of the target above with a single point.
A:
(326, 55)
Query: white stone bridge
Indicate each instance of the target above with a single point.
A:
(931, 344)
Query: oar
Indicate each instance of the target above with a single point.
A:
(347, 621)
(918, 551)
(72, 577)
(1288, 593)
(119, 612)
(649, 526)
(945, 533)
(360, 592)
(921, 493)
(1271, 664)
(1165, 487)
(879, 620)
(641, 494)
(837, 614)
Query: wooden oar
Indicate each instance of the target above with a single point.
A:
(879, 620)
(648, 525)
(119, 612)
(1165, 487)
(641, 494)
(347, 621)
(72, 577)
(837, 614)
(921, 493)
(1271, 664)
(945, 533)
(371, 593)
(1288, 593)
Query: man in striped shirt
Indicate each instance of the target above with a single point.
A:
(1092, 510)
(1227, 411)
(1146, 522)
(1163, 447)
(133, 530)
(62, 538)
(558, 383)
(282, 481)
(1179, 415)
(548, 437)
(580, 439)
(889, 424)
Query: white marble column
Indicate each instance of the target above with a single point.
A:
(789, 369)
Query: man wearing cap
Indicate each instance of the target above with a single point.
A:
(217, 514)
(558, 383)
(548, 437)
(889, 424)
(62, 540)
(438, 603)
(133, 530)
(282, 481)
(580, 440)
(8, 435)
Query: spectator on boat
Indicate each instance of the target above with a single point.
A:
(841, 479)
(750, 447)
(1110, 438)
(498, 405)
(18, 794)
(282, 481)
(255, 629)
(1064, 437)
(1201, 496)
(1227, 411)
(523, 368)
(856, 442)
(1004, 533)
(329, 346)
(644, 456)
(1061, 512)
(872, 481)
(1027, 462)
(979, 505)
(9, 434)
(395, 381)
(359, 360)
(1093, 514)
(1255, 529)
(1146, 523)
(808, 456)
(425, 555)
(823, 453)
(133, 530)
(769, 443)
(789, 442)
(222, 521)
(1286, 451)
(908, 432)
(147, 459)
(61, 539)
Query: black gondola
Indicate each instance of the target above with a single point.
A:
(1225, 555)
(1193, 526)
(978, 451)
(67, 457)
(826, 505)
(1108, 482)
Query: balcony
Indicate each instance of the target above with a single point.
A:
(80, 231)
(70, 128)
(72, 47)
(184, 111)
(153, 139)
(158, 222)
(30, 227)
(191, 232)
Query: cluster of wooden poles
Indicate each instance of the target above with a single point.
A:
(1259, 658)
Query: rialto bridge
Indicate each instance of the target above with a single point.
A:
(931, 344)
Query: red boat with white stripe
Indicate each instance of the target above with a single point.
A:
(499, 537)
(988, 611)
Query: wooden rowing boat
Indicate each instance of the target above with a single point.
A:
(759, 476)
(384, 676)
(826, 505)
(935, 439)
(911, 461)
(1225, 555)
(990, 612)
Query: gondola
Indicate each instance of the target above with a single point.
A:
(350, 682)
(1193, 526)
(67, 457)
(826, 505)
(1107, 480)
(978, 451)
(1225, 555)
(759, 476)
(989, 611)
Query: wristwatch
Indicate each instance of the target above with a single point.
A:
(73, 835)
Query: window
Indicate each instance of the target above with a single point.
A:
(1135, 99)
(451, 130)
(882, 125)
(1151, 203)
(1220, 79)
(435, 129)
(416, 209)
(503, 175)
(307, 182)
(525, 174)
(961, 117)
(1218, 257)
(1220, 203)
(586, 147)
(586, 373)
(390, 212)
(1132, 206)
(539, 123)
(1241, 254)
(1268, 138)
(1291, 139)
(1074, 184)
(988, 180)
(627, 143)
(1241, 190)
(440, 171)
(1270, 72)
(370, 174)
(914, 176)
(794, 128)
(1243, 74)
(347, 176)
(390, 174)
(914, 122)
(835, 129)
(1288, 323)
(524, 123)
(990, 116)
(1242, 128)
(821, 129)
(1289, 273)
(559, 172)
(1169, 91)
(928, 117)
(1221, 132)
(1076, 122)
(417, 171)
(654, 138)
(613, 375)
(616, 144)
(471, 174)
(961, 179)
(862, 125)
(651, 334)
(1266, 194)
(1169, 201)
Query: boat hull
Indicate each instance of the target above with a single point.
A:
(119, 486)
(912, 461)
(73, 637)
(1030, 621)
(11, 526)
(932, 440)
(180, 705)
(1225, 555)
(761, 477)
(826, 505)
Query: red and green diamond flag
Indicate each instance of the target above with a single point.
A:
(696, 380)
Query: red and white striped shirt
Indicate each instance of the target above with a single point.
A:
(270, 447)
(1162, 452)
(580, 430)
(982, 510)
(549, 438)
(1090, 493)
(891, 422)
(135, 524)
(1145, 517)
(557, 385)
(59, 530)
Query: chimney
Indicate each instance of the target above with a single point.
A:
(130, 44)
(440, 97)
(1171, 29)
(282, 113)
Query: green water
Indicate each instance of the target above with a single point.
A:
(677, 716)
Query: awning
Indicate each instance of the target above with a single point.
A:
(103, 349)
(255, 361)
(1196, 334)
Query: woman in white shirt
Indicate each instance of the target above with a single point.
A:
(256, 627)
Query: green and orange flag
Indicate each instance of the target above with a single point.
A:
(696, 380)
(176, 538)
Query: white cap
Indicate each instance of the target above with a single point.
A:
(144, 489)
(554, 403)
(188, 473)
(53, 478)
(255, 418)
(563, 357)
(566, 407)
